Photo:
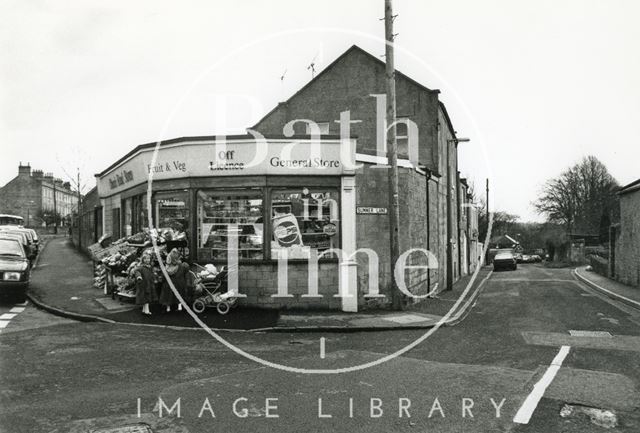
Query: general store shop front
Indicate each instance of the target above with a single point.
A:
(290, 199)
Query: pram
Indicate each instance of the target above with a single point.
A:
(211, 291)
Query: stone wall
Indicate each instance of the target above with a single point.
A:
(627, 241)
(260, 281)
(348, 85)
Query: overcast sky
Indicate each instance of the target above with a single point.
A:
(536, 85)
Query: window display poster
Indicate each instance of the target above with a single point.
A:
(286, 230)
(206, 230)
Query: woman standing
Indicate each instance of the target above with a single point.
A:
(179, 273)
(145, 284)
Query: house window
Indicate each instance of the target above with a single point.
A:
(324, 128)
(402, 136)
(223, 215)
(303, 220)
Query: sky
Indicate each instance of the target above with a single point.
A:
(536, 85)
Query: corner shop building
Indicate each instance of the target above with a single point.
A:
(218, 190)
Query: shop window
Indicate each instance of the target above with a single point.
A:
(303, 220)
(127, 215)
(172, 215)
(140, 214)
(217, 211)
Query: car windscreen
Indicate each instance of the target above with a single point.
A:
(10, 247)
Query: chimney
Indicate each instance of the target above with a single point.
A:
(49, 177)
(66, 185)
(37, 174)
(24, 170)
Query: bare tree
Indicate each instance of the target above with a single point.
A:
(581, 198)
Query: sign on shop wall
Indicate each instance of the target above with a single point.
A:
(232, 158)
(365, 210)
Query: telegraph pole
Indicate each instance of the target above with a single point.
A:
(487, 195)
(392, 153)
(487, 240)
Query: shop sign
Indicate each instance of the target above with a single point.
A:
(286, 230)
(330, 229)
(119, 179)
(172, 203)
(230, 158)
(167, 167)
(364, 210)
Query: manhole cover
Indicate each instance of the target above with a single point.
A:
(575, 333)
(131, 428)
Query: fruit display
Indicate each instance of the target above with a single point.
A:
(99, 276)
(114, 264)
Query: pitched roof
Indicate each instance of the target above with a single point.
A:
(353, 48)
(633, 186)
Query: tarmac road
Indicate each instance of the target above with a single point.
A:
(65, 376)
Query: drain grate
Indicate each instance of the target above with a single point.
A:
(579, 333)
(131, 428)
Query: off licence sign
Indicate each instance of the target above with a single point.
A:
(364, 210)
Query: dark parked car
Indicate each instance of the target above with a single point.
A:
(505, 259)
(14, 269)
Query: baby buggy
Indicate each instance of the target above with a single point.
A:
(211, 291)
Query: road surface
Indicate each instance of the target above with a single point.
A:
(514, 356)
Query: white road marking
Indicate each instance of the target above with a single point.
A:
(7, 316)
(531, 402)
(4, 323)
(322, 347)
(16, 310)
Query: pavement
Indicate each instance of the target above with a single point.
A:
(62, 284)
(615, 290)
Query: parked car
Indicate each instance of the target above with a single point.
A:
(14, 268)
(26, 240)
(36, 239)
(505, 259)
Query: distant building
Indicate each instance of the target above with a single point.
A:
(624, 251)
(31, 195)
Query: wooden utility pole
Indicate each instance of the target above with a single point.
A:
(392, 153)
(487, 195)
(488, 241)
